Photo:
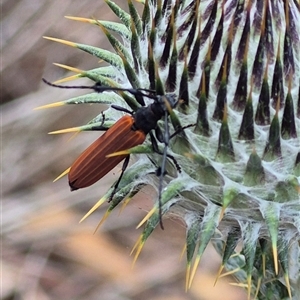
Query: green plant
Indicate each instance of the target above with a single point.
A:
(236, 67)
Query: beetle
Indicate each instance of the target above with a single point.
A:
(129, 131)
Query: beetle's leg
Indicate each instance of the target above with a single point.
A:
(124, 167)
(166, 139)
(156, 150)
(182, 129)
(100, 127)
(120, 108)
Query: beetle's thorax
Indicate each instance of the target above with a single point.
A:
(146, 118)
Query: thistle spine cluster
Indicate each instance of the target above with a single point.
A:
(235, 65)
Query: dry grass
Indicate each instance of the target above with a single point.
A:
(46, 253)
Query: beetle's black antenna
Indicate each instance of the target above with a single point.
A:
(99, 88)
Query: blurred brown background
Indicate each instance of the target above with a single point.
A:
(46, 254)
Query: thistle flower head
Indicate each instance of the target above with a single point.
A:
(235, 66)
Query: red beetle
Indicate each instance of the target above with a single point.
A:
(128, 132)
